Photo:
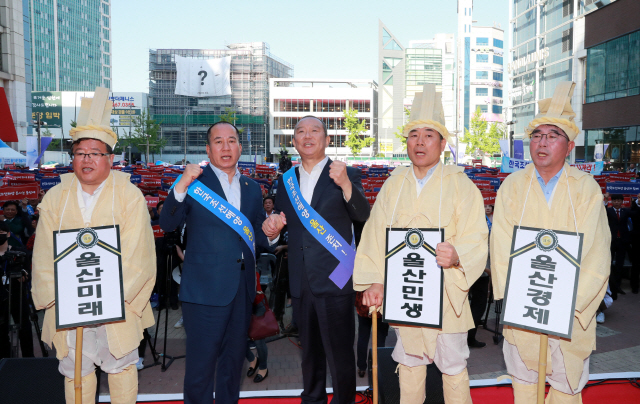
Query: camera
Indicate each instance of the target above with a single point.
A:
(171, 239)
(15, 263)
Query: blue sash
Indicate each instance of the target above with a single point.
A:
(319, 228)
(223, 210)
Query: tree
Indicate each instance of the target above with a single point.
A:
(399, 132)
(230, 117)
(355, 141)
(492, 140)
(475, 135)
(145, 129)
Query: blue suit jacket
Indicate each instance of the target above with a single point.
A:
(214, 251)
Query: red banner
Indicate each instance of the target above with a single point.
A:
(489, 198)
(152, 201)
(619, 178)
(152, 182)
(24, 176)
(163, 195)
(157, 231)
(481, 183)
(371, 197)
(11, 193)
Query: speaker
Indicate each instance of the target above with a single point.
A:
(389, 383)
(31, 380)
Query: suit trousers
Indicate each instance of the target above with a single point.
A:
(619, 248)
(327, 331)
(216, 346)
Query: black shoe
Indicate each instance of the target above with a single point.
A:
(260, 378)
(476, 344)
(290, 329)
(362, 372)
(251, 370)
(622, 292)
(174, 306)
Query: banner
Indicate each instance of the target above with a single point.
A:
(510, 165)
(625, 188)
(504, 147)
(542, 282)
(413, 280)
(48, 183)
(33, 158)
(12, 193)
(518, 149)
(152, 201)
(47, 106)
(203, 77)
(489, 198)
(88, 276)
(592, 168)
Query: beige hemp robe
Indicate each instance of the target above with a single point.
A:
(138, 257)
(596, 257)
(465, 227)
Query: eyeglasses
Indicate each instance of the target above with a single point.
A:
(91, 156)
(551, 137)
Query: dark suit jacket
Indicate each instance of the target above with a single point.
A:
(305, 252)
(621, 225)
(214, 251)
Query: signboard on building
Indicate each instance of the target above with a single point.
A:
(47, 106)
(386, 146)
(533, 57)
(126, 107)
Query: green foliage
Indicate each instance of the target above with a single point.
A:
(492, 140)
(144, 128)
(476, 134)
(400, 130)
(355, 141)
(230, 117)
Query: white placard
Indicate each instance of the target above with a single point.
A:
(413, 279)
(88, 276)
(542, 282)
(203, 77)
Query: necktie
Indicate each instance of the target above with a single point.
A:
(618, 213)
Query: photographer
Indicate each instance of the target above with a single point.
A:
(11, 263)
(18, 221)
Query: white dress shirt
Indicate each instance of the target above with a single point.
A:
(308, 181)
(231, 190)
(87, 201)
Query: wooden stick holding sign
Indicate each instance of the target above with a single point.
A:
(374, 344)
(542, 367)
(77, 376)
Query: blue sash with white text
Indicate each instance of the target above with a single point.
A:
(223, 210)
(322, 231)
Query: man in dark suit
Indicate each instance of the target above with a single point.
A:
(635, 246)
(323, 312)
(620, 239)
(218, 279)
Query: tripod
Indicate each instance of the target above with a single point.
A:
(163, 305)
(20, 318)
(497, 335)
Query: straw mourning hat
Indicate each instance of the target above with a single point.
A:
(557, 111)
(427, 112)
(93, 119)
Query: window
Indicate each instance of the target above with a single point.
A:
(482, 41)
(497, 60)
(482, 92)
(483, 108)
(482, 75)
(482, 58)
(496, 109)
(497, 43)
(497, 76)
(497, 92)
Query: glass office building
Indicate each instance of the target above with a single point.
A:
(70, 44)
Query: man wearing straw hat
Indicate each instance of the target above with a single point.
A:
(429, 194)
(94, 196)
(559, 197)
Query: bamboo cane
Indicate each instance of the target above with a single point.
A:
(374, 366)
(542, 367)
(77, 376)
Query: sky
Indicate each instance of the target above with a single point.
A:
(322, 39)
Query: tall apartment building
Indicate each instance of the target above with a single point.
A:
(71, 44)
(292, 99)
(480, 74)
(402, 72)
(184, 120)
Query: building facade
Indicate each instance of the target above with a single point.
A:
(292, 99)
(14, 74)
(402, 72)
(480, 69)
(547, 47)
(611, 108)
(71, 44)
(185, 120)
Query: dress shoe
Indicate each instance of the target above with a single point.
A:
(614, 295)
(362, 372)
(259, 378)
(476, 344)
(620, 291)
(252, 370)
(290, 329)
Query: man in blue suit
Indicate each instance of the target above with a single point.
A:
(218, 280)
